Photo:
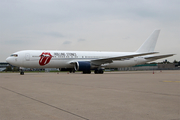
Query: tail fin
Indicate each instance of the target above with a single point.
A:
(150, 43)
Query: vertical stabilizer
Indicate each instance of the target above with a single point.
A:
(150, 43)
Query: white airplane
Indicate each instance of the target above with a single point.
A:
(86, 60)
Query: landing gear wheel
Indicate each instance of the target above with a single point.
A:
(98, 71)
(21, 73)
(101, 71)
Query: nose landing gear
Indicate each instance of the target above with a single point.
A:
(21, 72)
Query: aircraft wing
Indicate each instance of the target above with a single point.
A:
(159, 56)
(110, 60)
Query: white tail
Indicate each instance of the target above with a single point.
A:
(150, 43)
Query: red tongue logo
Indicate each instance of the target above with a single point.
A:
(45, 58)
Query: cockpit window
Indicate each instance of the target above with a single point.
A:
(14, 55)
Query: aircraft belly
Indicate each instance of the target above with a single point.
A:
(51, 64)
(59, 64)
(118, 64)
(127, 63)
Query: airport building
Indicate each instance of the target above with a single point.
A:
(169, 66)
(3, 65)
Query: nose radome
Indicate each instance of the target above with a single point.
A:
(8, 60)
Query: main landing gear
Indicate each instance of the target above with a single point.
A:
(99, 71)
(95, 71)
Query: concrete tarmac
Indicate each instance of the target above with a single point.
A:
(109, 96)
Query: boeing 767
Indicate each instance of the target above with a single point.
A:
(86, 60)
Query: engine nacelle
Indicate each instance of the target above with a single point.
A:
(82, 66)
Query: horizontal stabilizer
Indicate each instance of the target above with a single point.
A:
(159, 56)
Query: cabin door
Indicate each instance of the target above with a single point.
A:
(27, 56)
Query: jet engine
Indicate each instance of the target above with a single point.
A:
(82, 66)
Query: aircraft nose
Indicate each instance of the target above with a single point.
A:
(8, 60)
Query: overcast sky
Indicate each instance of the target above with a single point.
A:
(90, 25)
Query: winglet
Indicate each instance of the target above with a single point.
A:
(150, 43)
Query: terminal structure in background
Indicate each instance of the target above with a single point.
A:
(156, 66)
(3, 66)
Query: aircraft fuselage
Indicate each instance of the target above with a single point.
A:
(62, 59)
